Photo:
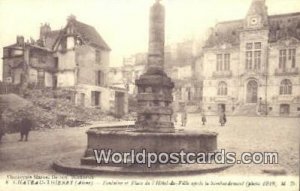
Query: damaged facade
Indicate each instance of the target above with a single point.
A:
(252, 65)
(181, 64)
(75, 58)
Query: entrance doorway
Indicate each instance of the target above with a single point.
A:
(221, 107)
(252, 88)
(96, 97)
(284, 109)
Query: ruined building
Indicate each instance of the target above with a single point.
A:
(75, 57)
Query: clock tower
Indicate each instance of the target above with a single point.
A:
(254, 38)
(257, 16)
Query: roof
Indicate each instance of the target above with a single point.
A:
(14, 46)
(225, 32)
(51, 38)
(90, 34)
(283, 26)
(280, 26)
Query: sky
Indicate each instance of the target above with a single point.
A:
(124, 23)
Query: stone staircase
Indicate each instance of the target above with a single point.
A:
(246, 110)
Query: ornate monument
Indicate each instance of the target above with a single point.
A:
(155, 87)
(153, 131)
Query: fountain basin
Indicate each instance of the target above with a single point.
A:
(125, 140)
(124, 137)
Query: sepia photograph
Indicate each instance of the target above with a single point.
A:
(149, 95)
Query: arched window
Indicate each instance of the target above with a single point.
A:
(285, 87)
(222, 88)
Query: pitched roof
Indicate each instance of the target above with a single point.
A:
(280, 26)
(90, 34)
(15, 46)
(51, 38)
(284, 26)
(225, 32)
(87, 32)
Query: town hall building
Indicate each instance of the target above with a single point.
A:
(251, 66)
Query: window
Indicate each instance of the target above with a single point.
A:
(223, 62)
(253, 56)
(257, 59)
(227, 62)
(249, 60)
(98, 56)
(95, 96)
(285, 87)
(292, 57)
(257, 45)
(219, 62)
(99, 78)
(282, 59)
(287, 59)
(222, 88)
(41, 78)
(56, 62)
(249, 46)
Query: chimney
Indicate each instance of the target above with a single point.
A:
(44, 30)
(20, 40)
(71, 18)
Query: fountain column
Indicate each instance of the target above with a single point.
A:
(154, 86)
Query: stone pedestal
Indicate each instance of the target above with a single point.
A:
(154, 103)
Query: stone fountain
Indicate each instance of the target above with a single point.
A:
(154, 130)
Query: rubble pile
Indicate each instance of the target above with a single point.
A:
(52, 109)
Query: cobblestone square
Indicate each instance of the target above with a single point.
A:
(240, 134)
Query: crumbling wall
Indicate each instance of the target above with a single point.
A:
(65, 79)
(86, 60)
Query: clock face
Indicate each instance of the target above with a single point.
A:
(253, 21)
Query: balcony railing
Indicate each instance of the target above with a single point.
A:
(286, 71)
(222, 74)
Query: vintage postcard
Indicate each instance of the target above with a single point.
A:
(149, 95)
